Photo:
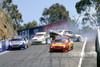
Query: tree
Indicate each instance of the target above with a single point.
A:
(28, 25)
(1, 4)
(89, 18)
(10, 8)
(84, 6)
(54, 13)
(31, 24)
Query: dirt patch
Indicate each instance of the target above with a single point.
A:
(6, 26)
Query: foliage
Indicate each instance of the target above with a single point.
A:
(28, 25)
(1, 4)
(54, 13)
(10, 8)
(84, 6)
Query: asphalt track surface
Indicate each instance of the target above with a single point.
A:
(39, 56)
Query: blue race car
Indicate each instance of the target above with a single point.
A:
(18, 42)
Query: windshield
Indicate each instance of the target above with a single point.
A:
(68, 32)
(17, 39)
(39, 35)
(61, 40)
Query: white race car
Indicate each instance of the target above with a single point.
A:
(73, 36)
(40, 38)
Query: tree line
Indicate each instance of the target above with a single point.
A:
(86, 6)
(54, 13)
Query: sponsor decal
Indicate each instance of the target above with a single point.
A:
(57, 44)
(36, 30)
(61, 25)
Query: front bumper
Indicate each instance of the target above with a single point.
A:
(57, 48)
(16, 46)
(36, 42)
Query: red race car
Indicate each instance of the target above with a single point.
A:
(61, 43)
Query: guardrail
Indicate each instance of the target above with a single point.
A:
(4, 45)
(98, 46)
(98, 40)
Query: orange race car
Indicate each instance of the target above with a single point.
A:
(61, 43)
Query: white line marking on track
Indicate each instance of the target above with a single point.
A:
(4, 52)
(82, 53)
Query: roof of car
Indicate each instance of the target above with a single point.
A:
(62, 37)
(18, 37)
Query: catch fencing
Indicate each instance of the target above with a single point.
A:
(30, 32)
(4, 45)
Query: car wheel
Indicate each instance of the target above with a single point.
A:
(72, 48)
(25, 46)
(79, 39)
(10, 48)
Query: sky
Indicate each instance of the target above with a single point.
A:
(33, 9)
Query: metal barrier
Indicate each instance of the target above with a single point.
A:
(98, 40)
(98, 46)
(4, 45)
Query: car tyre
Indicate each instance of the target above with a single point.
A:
(10, 49)
(79, 39)
(25, 46)
(72, 48)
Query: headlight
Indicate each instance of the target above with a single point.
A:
(21, 43)
(63, 46)
(51, 47)
(10, 43)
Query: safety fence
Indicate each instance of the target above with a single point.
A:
(98, 40)
(30, 32)
(4, 45)
(98, 46)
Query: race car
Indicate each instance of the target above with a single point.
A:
(18, 42)
(40, 38)
(61, 43)
(73, 36)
